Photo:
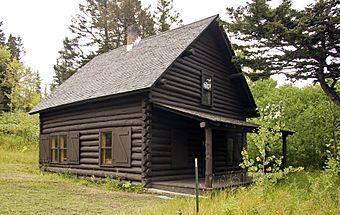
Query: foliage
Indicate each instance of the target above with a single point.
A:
(268, 163)
(20, 85)
(307, 112)
(68, 62)
(295, 195)
(166, 16)
(18, 130)
(300, 44)
(118, 185)
(103, 24)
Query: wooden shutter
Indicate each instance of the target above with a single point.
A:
(73, 148)
(179, 143)
(121, 147)
(44, 148)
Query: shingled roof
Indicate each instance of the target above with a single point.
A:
(119, 71)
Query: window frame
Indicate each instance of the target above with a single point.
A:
(58, 148)
(101, 131)
(203, 75)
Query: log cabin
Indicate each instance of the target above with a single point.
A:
(144, 111)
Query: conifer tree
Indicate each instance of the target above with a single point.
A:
(302, 44)
(166, 16)
(67, 62)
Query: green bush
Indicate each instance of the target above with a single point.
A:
(18, 129)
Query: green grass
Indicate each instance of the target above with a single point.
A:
(24, 189)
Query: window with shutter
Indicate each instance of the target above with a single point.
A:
(115, 147)
(106, 147)
(121, 147)
(44, 149)
(59, 147)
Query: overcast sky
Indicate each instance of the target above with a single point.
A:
(43, 24)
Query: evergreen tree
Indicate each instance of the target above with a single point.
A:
(102, 24)
(166, 16)
(15, 46)
(67, 62)
(2, 35)
(300, 44)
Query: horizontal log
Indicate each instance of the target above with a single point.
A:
(89, 143)
(136, 163)
(160, 153)
(136, 150)
(136, 156)
(89, 137)
(98, 173)
(93, 119)
(89, 155)
(161, 160)
(136, 143)
(158, 147)
(89, 160)
(118, 123)
(136, 136)
(109, 107)
(89, 149)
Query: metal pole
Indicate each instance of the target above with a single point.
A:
(196, 188)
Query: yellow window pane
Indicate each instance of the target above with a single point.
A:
(54, 141)
(54, 155)
(63, 142)
(106, 139)
(106, 156)
(63, 155)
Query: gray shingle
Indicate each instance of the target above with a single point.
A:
(120, 71)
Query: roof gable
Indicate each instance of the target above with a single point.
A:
(120, 71)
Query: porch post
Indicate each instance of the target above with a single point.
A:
(284, 149)
(208, 156)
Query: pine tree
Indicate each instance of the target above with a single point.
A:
(15, 46)
(102, 24)
(67, 63)
(300, 44)
(166, 16)
(2, 35)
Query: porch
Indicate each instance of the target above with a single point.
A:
(187, 185)
(180, 135)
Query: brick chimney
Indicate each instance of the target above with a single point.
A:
(132, 36)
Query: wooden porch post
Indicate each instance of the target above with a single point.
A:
(208, 155)
(284, 149)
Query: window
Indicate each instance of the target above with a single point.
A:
(207, 89)
(106, 148)
(234, 148)
(115, 147)
(59, 148)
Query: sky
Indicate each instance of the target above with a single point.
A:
(43, 24)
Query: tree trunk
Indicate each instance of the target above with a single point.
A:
(332, 95)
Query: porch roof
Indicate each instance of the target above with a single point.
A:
(208, 116)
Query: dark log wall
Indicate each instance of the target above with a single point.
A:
(164, 126)
(87, 120)
(181, 85)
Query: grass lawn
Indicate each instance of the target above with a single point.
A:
(26, 190)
